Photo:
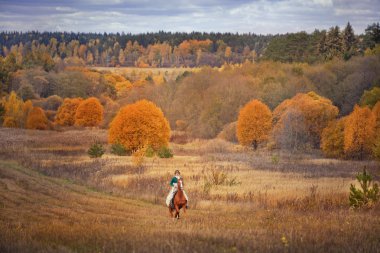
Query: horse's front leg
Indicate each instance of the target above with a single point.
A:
(171, 212)
(176, 212)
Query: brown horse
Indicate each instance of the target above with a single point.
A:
(179, 200)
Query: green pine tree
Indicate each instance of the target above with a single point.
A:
(367, 194)
(349, 41)
(334, 45)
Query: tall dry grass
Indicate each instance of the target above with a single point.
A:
(241, 201)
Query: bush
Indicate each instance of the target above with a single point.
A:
(96, 150)
(2, 110)
(66, 112)
(37, 119)
(149, 152)
(229, 132)
(89, 113)
(299, 121)
(332, 142)
(359, 133)
(10, 122)
(376, 148)
(165, 152)
(119, 149)
(367, 195)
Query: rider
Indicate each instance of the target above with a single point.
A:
(174, 185)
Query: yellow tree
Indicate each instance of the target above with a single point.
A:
(89, 113)
(13, 116)
(228, 53)
(138, 125)
(254, 123)
(332, 139)
(37, 119)
(26, 108)
(66, 112)
(359, 133)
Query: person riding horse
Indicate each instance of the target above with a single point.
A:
(173, 190)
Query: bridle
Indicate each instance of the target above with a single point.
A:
(180, 184)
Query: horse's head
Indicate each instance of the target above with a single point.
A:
(180, 184)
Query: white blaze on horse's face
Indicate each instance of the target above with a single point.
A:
(180, 184)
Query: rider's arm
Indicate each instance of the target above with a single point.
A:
(173, 181)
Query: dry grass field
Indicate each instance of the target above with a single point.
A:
(168, 73)
(54, 198)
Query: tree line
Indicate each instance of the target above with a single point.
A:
(166, 49)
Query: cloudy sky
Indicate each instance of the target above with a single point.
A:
(137, 16)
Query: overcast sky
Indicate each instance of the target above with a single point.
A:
(138, 16)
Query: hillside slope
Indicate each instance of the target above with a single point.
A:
(45, 214)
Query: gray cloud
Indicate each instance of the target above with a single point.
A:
(136, 16)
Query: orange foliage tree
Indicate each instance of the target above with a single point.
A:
(332, 139)
(26, 108)
(359, 133)
(89, 113)
(308, 114)
(140, 124)
(66, 112)
(37, 119)
(254, 123)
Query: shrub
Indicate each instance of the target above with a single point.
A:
(66, 112)
(376, 113)
(10, 122)
(229, 132)
(26, 108)
(376, 148)
(138, 156)
(254, 123)
(119, 149)
(165, 152)
(2, 110)
(359, 132)
(332, 142)
(96, 150)
(52, 103)
(367, 194)
(149, 152)
(299, 121)
(89, 113)
(370, 97)
(37, 119)
(140, 124)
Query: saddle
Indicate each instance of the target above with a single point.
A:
(172, 201)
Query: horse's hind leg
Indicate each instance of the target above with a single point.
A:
(171, 212)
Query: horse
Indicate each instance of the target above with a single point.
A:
(179, 201)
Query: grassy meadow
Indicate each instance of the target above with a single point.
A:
(54, 198)
(170, 74)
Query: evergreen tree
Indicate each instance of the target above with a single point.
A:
(322, 48)
(349, 41)
(334, 43)
(372, 35)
